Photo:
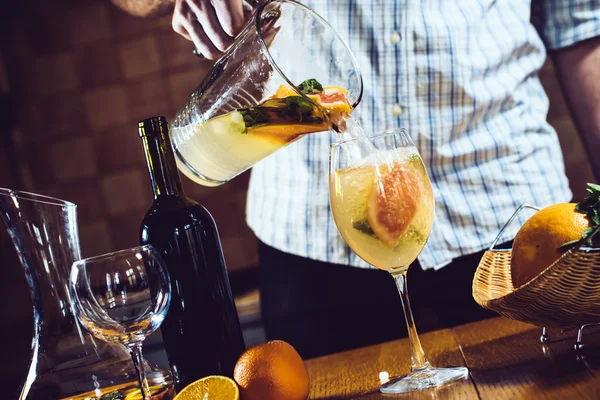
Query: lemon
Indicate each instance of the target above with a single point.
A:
(232, 123)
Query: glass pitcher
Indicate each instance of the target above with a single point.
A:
(66, 362)
(253, 103)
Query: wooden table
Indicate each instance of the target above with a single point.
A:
(505, 358)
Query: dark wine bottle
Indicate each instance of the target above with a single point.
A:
(201, 331)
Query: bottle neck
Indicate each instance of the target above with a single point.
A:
(161, 165)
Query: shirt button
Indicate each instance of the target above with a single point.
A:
(396, 110)
(395, 38)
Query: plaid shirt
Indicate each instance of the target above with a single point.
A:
(461, 76)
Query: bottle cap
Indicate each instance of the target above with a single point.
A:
(152, 126)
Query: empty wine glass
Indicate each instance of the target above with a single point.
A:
(122, 297)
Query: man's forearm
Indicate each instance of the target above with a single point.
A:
(578, 69)
(145, 8)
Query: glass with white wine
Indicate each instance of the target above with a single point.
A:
(383, 206)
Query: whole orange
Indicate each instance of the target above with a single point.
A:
(272, 371)
(536, 245)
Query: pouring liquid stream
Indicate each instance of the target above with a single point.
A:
(355, 140)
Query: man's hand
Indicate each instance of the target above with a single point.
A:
(211, 24)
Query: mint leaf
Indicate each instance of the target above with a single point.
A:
(569, 245)
(414, 235)
(254, 116)
(363, 226)
(587, 232)
(415, 160)
(116, 395)
(289, 110)
(298, 104)
(299, 109)
(590, 206)
(593, 189)
(310, 86)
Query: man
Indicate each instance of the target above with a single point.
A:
(461, 76)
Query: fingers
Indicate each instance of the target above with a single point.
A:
(207, 17)
(185, 22)
(250, 7)
(201, 41)
(211, 24)
(230, 14)
(179, 15)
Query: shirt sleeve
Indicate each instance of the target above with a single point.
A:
(562, 23)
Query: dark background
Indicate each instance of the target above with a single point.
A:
(75, 78)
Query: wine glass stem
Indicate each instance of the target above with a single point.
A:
(417, 355)
(138, 362)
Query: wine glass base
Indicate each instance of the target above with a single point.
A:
(424, 379)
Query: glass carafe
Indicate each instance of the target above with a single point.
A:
(66, 362)
(283, 45)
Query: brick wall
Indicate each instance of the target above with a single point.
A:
(83, 73)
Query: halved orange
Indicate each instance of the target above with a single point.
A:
(392, 203)
(211, 387)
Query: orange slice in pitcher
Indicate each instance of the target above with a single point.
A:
(286, 132)
(285, 91)
(333, 99)
(392, 203)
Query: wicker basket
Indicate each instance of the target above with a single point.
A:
(564, 295)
